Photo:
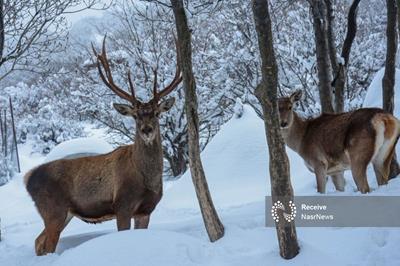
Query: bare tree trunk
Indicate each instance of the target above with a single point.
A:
(339, 81)
(331, 36)
(266, 92)
(14, 135)
(214, 227)
(398, 18)
(319, 14)
(388, 80)
(390, 65)
(2, 133)
(2, 33)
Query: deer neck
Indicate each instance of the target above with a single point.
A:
(293, 135)
(149, 161)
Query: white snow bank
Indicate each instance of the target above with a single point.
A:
(77, 148)
(374, 93)
(236, 167)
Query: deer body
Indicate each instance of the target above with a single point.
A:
(333, 143)
(123, 184)
(92, 187)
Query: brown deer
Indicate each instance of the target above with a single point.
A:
(333, 143)
(123, 184)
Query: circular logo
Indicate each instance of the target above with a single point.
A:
(287, 216)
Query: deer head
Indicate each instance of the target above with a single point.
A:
(146, 114)
(285, 106)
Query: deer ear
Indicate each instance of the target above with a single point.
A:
(123, 109)
(166, 105)
(296, 96)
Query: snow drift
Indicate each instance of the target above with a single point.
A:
(78, 147)
(236, 166)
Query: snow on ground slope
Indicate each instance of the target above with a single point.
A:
(236, 166)
(78, 146)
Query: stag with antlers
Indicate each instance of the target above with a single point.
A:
(123, 184)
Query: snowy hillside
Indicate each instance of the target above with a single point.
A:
(236, 165)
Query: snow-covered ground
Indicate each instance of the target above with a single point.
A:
(78, 147)
(236, 163)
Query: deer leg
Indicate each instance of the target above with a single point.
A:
(361, 149)
(320, 173)
(382, 162)
(380, 173)
(40, 243)
(123, 220)
(142, 221)
(47, 241)
(386, 166)
(359, 165)
(338, 181)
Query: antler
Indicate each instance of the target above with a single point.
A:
(174, 83)
(102, 61)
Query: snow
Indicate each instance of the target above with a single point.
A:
(236, 165)
(78, 147)
(374, 93)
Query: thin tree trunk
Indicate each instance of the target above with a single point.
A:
(266, 92)
(331, 36)
(388, 80)
(390, 65)
(2, 33)
(2, 133)
(214, 227)
(398, 18)
(339, 81)
(5, 134)
(319, 11)
(14, 135)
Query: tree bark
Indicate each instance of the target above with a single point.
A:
(398, 18)
(266, 92)
(331, 36)
(390, 64)
(2, 32)
(388, 80)
(214, 227)
(319, 14)
(339, 81)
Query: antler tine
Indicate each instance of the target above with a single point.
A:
(131, 86)
(178, 75)
(155, 93)
(106, 75)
